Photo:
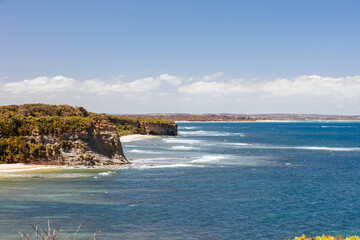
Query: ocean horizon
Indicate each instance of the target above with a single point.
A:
(216, 180)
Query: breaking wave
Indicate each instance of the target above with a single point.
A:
(179, 140)
(343, 149)
(316, 148)
(238, 144)
(175, 165)
(183, 148)
(208, 158)
(209, 133)
(188, 128)
(107, 173)
(144, 151)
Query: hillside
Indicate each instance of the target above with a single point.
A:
(66, 135)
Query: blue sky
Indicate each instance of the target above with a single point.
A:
(182, 56)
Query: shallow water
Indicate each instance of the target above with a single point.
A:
(215, 181)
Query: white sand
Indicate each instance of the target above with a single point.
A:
(18, 167)
(134, 137)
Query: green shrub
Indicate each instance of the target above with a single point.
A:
(19, 122)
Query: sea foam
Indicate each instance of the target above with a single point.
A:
(208, 158)
(188, 128)
(107, 173)
(238, 144)
(343, 149)
(183, 141)
(316, 148)
(209, 133)
(182, 147)
(144, 151)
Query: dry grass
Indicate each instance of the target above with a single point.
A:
(50, 234)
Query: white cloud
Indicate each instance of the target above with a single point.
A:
(234, 86)
(170, 79)
(162, 94)
(313, 85)
(167, 93)
(40, 84)
(303, 85)
(103, 88)
(60, 84)
(213, 76)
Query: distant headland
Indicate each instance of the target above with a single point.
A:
(71, 136)
(227, 117)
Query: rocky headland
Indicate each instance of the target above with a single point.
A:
(228, 117)
(69, 136)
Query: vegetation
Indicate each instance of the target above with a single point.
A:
(326, 237)
(49, 234)
(20, 123)
(22, 150)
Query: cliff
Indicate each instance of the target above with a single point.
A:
(65, 135)
(99, 146)
(153, 128)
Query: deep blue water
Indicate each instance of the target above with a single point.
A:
(215, 181)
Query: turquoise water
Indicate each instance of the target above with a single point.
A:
(215, 181)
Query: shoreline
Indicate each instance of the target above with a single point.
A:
(135, 137)
(21, 167)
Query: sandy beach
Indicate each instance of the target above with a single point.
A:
(134, 137)
(18, 167)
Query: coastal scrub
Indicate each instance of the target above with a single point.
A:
(38, 132)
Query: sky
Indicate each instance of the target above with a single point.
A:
(182, 56)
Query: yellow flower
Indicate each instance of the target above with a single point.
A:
(328, 237)
(352, 238)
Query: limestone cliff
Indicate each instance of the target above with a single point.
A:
(154, 128)
(99, 146)
(66, 135)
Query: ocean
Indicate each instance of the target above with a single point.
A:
(263, 180)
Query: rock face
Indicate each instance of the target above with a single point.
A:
(97, 147)
(161, 129)
(66, 135)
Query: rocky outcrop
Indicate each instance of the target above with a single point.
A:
(98, 147)
(65, 135)
(154, 128)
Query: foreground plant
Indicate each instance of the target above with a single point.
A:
(326, 237)
(49, 234)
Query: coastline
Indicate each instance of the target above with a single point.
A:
(21, 167)
(135, 137)
(261, 121)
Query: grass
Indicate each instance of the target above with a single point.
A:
(50, 234)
